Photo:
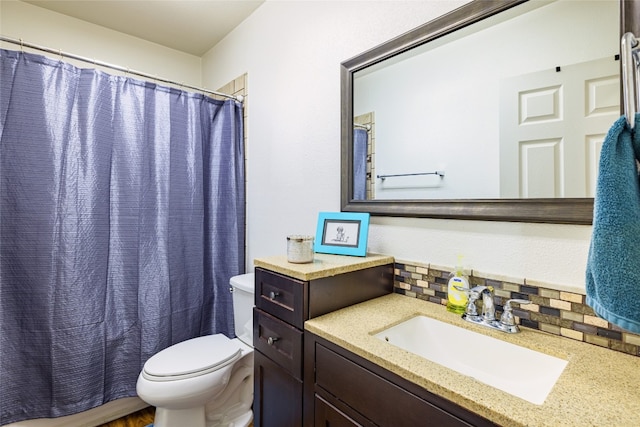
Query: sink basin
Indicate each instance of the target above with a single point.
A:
(519, 371)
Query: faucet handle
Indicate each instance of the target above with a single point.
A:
(476, 290)
(507, 318)
(474, 295)
(471, 292)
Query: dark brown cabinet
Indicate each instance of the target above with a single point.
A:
(325, 414)
(280, 402)
(283, 304)
(348, 390)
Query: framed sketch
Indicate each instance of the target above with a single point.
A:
(342, 233)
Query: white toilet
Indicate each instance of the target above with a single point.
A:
(206, 381)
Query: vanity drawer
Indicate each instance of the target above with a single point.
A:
(325, 414)
(279, 341)
(374, 397)
(282, 296)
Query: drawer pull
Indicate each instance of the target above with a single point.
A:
(272, 340)
(273, 295)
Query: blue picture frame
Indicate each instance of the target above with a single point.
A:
(342, 233)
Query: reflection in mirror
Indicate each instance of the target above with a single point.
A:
(501, 110)
(500, 119)
(362, 157)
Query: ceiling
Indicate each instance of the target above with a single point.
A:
(191, 26)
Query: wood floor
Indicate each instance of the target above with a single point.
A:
(138, 419)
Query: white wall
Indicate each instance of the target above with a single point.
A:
(291, 51)
(40, 26)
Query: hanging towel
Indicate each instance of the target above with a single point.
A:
(613, 266)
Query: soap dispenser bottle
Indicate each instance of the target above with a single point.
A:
(456, 299)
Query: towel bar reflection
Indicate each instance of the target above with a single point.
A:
(439, 173)
(630, 76)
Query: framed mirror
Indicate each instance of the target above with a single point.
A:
(466, 116)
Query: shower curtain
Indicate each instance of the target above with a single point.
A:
(121, 222)
(360, 141)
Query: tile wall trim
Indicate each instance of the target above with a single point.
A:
(559, 310)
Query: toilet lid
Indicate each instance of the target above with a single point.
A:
(193, 357)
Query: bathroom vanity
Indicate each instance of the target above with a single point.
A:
(354, 378)
(345, 389)
(287, 295)
(318, 361)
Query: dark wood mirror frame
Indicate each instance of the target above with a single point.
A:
(561, 211)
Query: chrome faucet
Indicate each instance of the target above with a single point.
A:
(488, 306)
(507, 320)
(488, 317)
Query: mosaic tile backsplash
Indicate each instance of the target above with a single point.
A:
(557, 312)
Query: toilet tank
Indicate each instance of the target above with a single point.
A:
(243, 288)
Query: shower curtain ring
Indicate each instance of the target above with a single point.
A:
(21, 46)
(60, 53)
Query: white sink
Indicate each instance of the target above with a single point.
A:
(519, 371)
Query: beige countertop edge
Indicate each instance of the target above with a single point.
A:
(599, 387)
(323, 265)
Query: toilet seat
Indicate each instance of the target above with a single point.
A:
(192, 358)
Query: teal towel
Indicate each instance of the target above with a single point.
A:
(613, 266)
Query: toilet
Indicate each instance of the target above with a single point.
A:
(206, 381)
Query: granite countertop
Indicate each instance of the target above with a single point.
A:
(598, 387)
(323, 265)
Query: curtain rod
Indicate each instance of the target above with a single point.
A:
(63, 54)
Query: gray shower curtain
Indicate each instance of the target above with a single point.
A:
(121, 222)
(360, 141)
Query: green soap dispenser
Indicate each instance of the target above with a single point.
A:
(457, 300)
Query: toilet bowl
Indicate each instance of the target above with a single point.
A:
(205, 381)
